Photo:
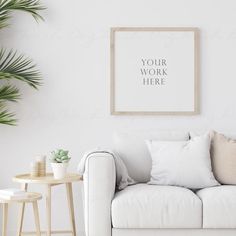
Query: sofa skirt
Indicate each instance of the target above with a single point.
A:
(173, 232)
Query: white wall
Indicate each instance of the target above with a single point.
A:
(71, 109)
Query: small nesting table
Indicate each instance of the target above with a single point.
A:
(31, 198)
(49, 182)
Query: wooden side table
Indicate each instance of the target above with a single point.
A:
(31, 198)
(49, 181)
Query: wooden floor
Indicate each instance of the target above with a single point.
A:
(13, 232)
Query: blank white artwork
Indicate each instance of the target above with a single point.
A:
(154, 72)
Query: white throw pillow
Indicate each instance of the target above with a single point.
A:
(182, 163)
(132, 149)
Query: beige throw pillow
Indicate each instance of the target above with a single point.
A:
(223, 153)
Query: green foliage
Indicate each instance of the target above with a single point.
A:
(6, 117)
(14, 66)
(9, 93)
(60, 156)
(29, 6)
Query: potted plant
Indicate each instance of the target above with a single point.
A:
(59, 162)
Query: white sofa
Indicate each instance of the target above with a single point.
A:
(151, 210)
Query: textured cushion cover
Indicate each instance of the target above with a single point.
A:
(219, 206)
(182, 163)
(149, 206)
(223, 154)
(132, 149)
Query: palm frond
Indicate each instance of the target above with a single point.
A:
(6, 117)
(13, 66)
(9, 93)
(30, 6)
(4, 16)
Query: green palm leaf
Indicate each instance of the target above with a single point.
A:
(9, 93)
(6, 117)
(13, 66)
(30, 6)
(4, 16)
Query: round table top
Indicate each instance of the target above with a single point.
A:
(31, 197)
(48, 179)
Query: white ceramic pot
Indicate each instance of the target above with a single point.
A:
(59, 170)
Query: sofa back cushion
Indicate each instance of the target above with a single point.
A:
(131, 147)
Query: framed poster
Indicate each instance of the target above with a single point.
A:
(154, 71)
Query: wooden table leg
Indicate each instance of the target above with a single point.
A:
(4, 219)
(21, 213)
(36, 217)
(71, 207)
(48, 208)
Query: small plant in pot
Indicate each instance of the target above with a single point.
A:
(59, 162)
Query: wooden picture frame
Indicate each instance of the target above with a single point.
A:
(185, 100)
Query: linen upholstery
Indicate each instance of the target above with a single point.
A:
(149, 206)
(122, 176)
(219, 206)
(99, 189)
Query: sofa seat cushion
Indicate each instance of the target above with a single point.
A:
(152, 206)
(219, 206)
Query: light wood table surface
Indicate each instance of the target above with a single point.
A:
(49, 181)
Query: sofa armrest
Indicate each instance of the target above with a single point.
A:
(99, 189)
